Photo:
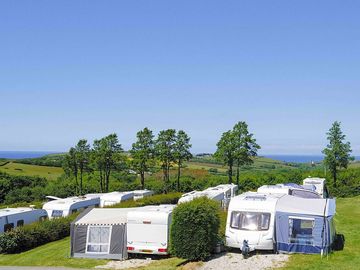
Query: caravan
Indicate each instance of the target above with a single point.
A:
(140, 194)
(65, 207)
(111, 198)
(221, 193)
(148, 229)
(289, 189)
(250, 221)
(304, 225)
(319, 184)
(14, 217)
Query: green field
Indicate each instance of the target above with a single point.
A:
(50, 173)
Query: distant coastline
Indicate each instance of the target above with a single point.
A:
(284, 158)
(24, 154)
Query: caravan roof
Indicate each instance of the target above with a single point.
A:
(254, 200)
(104, 216)
(12, 211)
(64, 204)
(296, 205)
(290, 189)
(157, 214)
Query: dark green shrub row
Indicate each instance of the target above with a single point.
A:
(170, 198)
(195, 229)
(35, 234)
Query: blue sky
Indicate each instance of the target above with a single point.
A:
(84, 69)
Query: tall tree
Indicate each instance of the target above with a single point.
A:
(142, 154)
(181, 152)
(245, 147)
(164, 150)
(107, 155)
(70, 166)
(226, 151)
(337, 152)
(82, 154)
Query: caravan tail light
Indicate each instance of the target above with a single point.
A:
(130, 248)
(146, 222)
(163, 250)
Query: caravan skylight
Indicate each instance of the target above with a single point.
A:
(256, 198)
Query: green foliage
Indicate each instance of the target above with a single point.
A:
(194, 229)
(52, 160)
(164, 150)
(35, 234)
(337, 152)
(169, 198)
(181, 152)
(142, 154)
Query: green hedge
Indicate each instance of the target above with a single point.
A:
(169, 198)
(35, 234)
(195, 228)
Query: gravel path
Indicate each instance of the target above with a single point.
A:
(235, 261)
(34, 268)
(125, 264)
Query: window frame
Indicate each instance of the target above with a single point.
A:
(259, 229)
(98, 244)
(292, 240)
(57, 211)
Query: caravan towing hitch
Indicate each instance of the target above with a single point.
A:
(245, 250)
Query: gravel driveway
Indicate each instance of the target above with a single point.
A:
(235, 261)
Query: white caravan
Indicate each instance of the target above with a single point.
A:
(111, 198)
(221, 193)
(319, 184)
(68, 206)
(289, 189)
(14, 217)
(251, 218)
(148, 229)
(140, 194)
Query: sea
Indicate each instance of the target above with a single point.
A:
(24, 154)
(300, 158)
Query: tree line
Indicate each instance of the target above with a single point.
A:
(170, 148)
(236, 148)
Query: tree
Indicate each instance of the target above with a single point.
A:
(82, 155)
(337, 152)
(181, 152)
(107, 155)
(225, 152)
(164, 150)
(245, 147)
(142, 154)
(70, 166)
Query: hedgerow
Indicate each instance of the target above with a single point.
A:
(35, 234)
(194, 229)
(169, 198)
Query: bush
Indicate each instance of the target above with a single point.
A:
(35, 234)
(194, 230)
(170, 198)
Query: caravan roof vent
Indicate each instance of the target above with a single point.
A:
(256, 198)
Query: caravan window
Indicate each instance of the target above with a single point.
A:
(20, 223)
(301, 230)
(8, 227)
(57, 213)
(98, 239)
(250, 221)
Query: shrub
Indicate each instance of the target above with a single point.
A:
(194, 230)
(169, 198)
(35, 234)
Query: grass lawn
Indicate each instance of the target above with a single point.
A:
(50, 173)
(348, 223)
(51, 254)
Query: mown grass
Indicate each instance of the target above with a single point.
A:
(348, 223)
(50, 173)
(53, 254)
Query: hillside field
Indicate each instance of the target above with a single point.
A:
(51, 173)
